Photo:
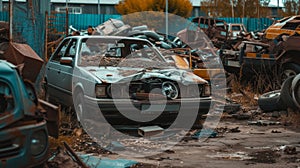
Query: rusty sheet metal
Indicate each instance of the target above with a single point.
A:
(23, 54)
(292, 43)
(52, 114)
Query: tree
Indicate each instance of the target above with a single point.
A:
(234, 8)
(292, 7)
(181, 8)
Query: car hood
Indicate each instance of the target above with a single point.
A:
(124, 75)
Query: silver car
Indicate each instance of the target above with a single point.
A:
(121, 77)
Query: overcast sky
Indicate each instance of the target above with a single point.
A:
(274, 2)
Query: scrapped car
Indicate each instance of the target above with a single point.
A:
(23, 127)
(288, 25)
(215, 29)
(121, 72)
(235, 30)
(280, 59)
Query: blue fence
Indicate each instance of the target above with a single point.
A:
(32, 30)
(82, 21)
(251, 24)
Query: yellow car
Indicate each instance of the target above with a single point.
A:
(288, 25)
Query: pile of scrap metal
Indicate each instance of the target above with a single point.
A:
(287, 97)
(278, 58)
(25, 120)
(199, 54)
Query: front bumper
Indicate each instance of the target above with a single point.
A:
(167, 110)
(15, 143)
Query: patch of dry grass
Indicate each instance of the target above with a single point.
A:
(293, 118)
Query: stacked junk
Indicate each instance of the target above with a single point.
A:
(21, 55)
(226, 50)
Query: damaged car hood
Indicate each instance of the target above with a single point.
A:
(124, 75)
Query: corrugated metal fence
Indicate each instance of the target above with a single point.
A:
(251, 24)
(32, 27)
(81, 21)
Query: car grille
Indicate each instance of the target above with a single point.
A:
(8, 148)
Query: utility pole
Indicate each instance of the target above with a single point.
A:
(232, 9)
(98, 7)
(167, 19)
(11, 4)
(277, 8)
(1, 5)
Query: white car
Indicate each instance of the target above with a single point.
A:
(122, 73)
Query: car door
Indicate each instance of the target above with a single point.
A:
(59, 76)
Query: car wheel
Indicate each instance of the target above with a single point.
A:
(170, 90)
(79, 106)
(286, 93)
(270, 101)
(289, 70)
(296, 90)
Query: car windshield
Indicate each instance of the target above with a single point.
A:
(236, 28)
(119, 53)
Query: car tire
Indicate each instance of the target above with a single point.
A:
(288, 70)
(296, 90)
(270, 101)
(286, 93)
(79, 106)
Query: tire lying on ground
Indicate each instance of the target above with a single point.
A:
(271, 101)
(286, 93)
(296, 91)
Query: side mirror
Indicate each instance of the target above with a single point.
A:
(66, 61)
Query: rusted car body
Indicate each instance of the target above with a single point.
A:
(288, 25)
(23, 127)
(281, 59)
(112, 70)
(215, 29)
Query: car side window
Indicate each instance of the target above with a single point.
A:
(71, 49)
(66, 49)
(60, 52)
(6, 98)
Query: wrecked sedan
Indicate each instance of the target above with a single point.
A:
(122, 74)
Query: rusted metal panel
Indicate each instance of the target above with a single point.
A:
(22, 54)
(52, 114)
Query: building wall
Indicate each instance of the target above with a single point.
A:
(86, 8)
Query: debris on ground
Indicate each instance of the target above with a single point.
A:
(264, 123)
(66, 157)
(290, 150)
(205, 133)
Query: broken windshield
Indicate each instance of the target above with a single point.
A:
(123, 53)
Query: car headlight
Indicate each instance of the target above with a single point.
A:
(206, 90)
(100, 90)
(39, 142)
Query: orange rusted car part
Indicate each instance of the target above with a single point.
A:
(23, 55)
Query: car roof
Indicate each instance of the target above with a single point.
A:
(108, 37)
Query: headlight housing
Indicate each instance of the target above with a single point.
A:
(100, 91)
(38, 142)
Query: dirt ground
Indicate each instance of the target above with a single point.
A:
(248, 138)
(254, 146)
